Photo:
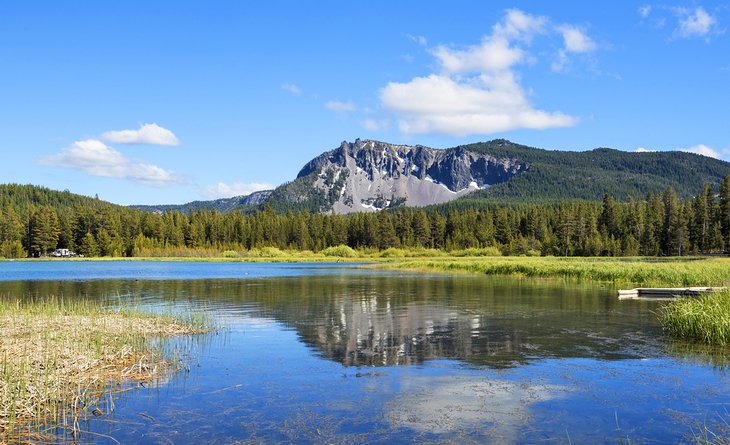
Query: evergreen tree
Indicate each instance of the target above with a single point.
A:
(387, 236)
(421, 229)
(724, 212)
(44, 231)
(88, 246)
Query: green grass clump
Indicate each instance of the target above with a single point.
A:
(705, 319)
(340, 251)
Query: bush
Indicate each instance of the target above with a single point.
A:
(264, 252)
(12, 249)
(271, 252)
(231, 254)
(392, 252)
(474, 251)
(341, 251)
(423, 253)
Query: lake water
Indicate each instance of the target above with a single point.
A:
(333, 354)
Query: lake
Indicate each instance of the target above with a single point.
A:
(326, 353)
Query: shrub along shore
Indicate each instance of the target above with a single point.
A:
(62, 357)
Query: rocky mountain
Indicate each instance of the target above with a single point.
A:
(369, 175)
(222, 205)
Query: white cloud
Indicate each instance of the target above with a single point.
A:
(477, 90)
(292, 88)
(643, 150)
(222, 190)
(487, 104)
(702, 149)
(575, 40)
(492, 54)
(519, 25)
(97, 159)
(147, 134)
(340, 107)
(697, 23)
(644, 11)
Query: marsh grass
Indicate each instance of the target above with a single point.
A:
(668, 272)
(705, 319)
(60, 358)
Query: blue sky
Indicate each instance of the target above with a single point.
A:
(155, 102)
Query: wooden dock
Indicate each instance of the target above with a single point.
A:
(664, 293)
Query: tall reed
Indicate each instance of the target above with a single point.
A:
(705, 319)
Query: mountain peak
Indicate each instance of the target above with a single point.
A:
(369, 175)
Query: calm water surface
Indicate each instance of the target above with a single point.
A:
(332, 354)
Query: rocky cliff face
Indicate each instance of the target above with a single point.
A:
(371, 175)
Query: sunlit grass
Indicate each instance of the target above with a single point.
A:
(60, 356)
(675, 272)
(705, 319)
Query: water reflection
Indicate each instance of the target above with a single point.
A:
(388, 319)
(469, 405)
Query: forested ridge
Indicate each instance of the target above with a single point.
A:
(549, 175)
(560, 175)
(34, 221)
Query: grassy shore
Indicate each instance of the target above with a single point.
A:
(60, 357)
(705, 319)
(667, 272)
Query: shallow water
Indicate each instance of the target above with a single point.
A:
(331, 354)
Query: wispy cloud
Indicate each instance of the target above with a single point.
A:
(477, 90)
(222, 190)
(292, 88)
(702, 149)
(575, 40)
(644, 11)
(371, 124)
(695, 23)
(95, 158)
(417, 39)
(340, 106)
(146, 134)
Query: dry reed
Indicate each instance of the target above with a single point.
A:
(60, 357)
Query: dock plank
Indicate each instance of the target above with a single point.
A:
(665, 293)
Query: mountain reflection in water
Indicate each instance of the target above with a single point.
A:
(389, 319)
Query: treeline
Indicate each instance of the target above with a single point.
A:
(660, 224)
